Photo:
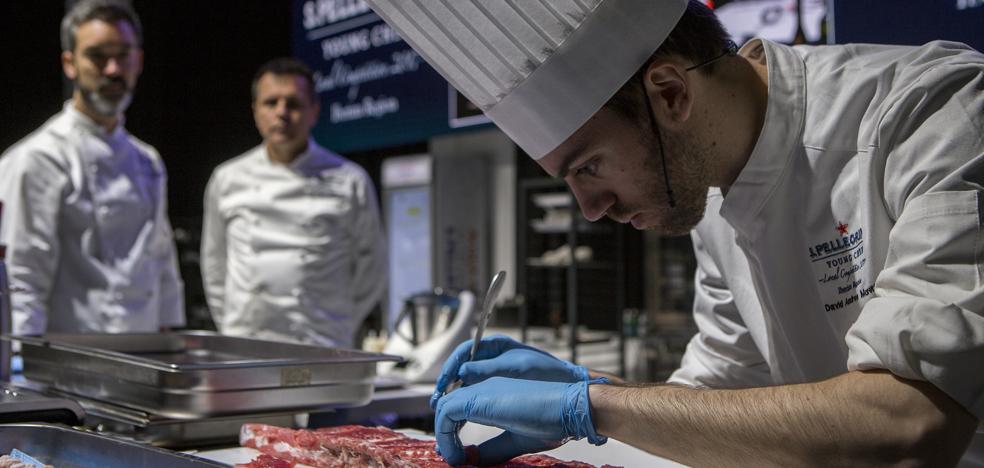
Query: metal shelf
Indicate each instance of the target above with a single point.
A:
(538, 263)
(568, 288)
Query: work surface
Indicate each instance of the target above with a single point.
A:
(613, 452)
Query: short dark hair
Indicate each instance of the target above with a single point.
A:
(285, 66)
(109, 11)
(698, 36)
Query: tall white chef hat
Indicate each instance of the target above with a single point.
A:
(538, 68)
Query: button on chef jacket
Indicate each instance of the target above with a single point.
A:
(292, 252)
(90, 248)
(852, 238)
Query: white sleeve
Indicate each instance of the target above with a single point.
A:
(926, 319)
(31, 186)
(722, 354)
(213, 254)
(172, 307)
(172, 287)
(370, 263)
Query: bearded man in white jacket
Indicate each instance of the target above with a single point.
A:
(292, 244)
(90, 245)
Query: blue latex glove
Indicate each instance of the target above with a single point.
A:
(502, 356)
(536, 415)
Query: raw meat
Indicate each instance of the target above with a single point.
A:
(360, 446)
(268, 461)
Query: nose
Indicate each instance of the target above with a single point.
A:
(281, 108)
(113, 67)
(594, 204)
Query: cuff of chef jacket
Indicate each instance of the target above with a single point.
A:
(937, 346)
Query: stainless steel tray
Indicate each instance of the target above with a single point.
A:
(25, 405)
(200, 374)
(65, 447)
(200, 360)
(141, 426)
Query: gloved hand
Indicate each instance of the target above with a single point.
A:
(500, 355)
(536, 415)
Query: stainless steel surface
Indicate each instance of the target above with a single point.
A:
(487, 305)
(483, 320)
(175, 433)
(20, 405)
(65, 447)
(189, 404)
(179, 434)
(198, 374)
(142, 426)
(201, 360)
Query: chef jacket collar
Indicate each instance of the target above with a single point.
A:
(77, 119)
(312, 159)
(296, 163)
(781, 135)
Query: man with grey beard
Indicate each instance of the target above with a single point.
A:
(90, 246)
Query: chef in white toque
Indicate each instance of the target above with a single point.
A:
(834, 197)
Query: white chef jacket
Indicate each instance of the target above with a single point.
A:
(90, 248)
(852, 238)
(292, 252)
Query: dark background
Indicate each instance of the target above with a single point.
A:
(909, 22)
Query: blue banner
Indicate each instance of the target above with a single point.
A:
(911, 22)
(375, 90)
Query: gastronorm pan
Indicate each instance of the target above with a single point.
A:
(197, 374)
(65, 447)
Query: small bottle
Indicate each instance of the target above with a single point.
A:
(5, 311)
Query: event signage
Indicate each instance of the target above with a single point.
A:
(375, 90)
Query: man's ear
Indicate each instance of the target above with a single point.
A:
(68, 65)
(669, 91)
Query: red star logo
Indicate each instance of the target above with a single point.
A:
(842, 228)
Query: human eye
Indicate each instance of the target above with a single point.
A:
(588, 169)
(293, 103)
(96, 56)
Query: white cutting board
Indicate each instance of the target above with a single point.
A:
(612, 453)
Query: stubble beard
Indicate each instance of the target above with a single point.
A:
(689, 180)
(102, 106)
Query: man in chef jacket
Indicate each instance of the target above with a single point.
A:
(90, 245)
(292, 244)
(834, 197)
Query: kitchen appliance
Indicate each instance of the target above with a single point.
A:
(436, 209)
(427, 330)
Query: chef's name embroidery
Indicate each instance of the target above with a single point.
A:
(837, 246)
(849, 300)
(840, 262)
